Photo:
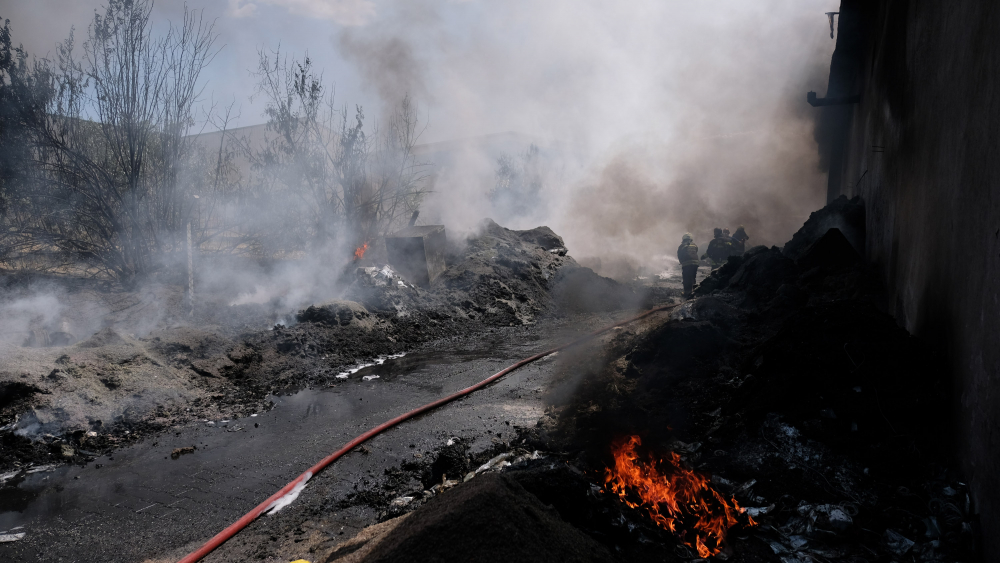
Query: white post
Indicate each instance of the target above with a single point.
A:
(190, 271)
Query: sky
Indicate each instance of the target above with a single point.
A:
(667, 116)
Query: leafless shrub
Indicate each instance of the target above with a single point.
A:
(518, 182)
(104, 171)
(26, 89)
(320, 178)
(109, 146)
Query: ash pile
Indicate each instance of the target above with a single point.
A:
(781, 415)
(786, 383)
(225, 360)
(496, 280)
(499, 277)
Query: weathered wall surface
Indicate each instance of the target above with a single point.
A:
(922, 148)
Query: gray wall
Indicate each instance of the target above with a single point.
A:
(922, 148)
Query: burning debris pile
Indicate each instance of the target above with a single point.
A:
(494, 280)
(678, 499)
(798, 423)
(784, 375)
(499, 277)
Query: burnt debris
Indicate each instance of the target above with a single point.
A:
(784, 385)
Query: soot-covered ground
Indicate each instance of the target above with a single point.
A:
(782, 381)
(70, 402)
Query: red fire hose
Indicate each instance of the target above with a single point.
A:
(299, 482)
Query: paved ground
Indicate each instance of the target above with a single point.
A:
(139, 504)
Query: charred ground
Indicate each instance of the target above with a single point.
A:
(69, 403)
(784, 381)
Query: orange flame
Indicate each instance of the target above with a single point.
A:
(680, 501)
(359, 252)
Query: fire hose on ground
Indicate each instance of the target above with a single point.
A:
(289, 492)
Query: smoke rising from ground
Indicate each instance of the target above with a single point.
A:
(653, 118)
(658, 118)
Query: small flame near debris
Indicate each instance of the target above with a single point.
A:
(678, 500)
(359, 252)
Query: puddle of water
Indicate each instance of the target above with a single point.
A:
(17, 495)
(48, 492)
(391, 367)
(18, 492)
(379, 361)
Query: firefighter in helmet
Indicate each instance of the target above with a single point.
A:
(687, 253)
(719, 249)
(740, 238)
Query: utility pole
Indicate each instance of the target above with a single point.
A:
(190, 249)
(190, 291)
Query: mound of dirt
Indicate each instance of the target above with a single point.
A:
(499, 277)
(543, 237)
(338, 313)
(491, 518)
(758, 273)
(788, 379)
(104, 337)
(846, 215)
(867, 381)
(107, 380)
(580, 290)
(832, 250)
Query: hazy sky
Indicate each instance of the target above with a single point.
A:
(672, 115)
(546, 68)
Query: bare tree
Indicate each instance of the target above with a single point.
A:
(188, 51)
(518, 182)
(112, 140)
(26, 90)
(345, 183)
(398, 180)
(114, 175)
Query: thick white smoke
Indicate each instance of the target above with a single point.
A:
(654, 117)
(658, 117)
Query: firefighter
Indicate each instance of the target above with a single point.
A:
(687, 253)
(740, 238)
(719, 249)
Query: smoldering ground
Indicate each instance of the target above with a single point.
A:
(652, 120)
(656, 119)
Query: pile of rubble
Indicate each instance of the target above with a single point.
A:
(787, 385)
(126, 387)
(497, 279)
(785, 375)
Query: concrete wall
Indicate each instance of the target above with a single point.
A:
(922, 148)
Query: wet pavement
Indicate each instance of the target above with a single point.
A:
(140, 504)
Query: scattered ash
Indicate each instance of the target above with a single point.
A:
(114, 388)
(845, 215)
(490, 517)
(783, 381)
(787, 384)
